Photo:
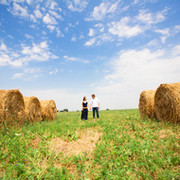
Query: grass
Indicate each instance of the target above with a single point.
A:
(129, 148)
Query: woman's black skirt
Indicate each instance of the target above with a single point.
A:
(84, 114)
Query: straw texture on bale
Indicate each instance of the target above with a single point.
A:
(32, 109)
(48, 109)
(146, 104)
(167, 102)
(11, 107)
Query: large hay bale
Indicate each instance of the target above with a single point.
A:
(48, 109)
(2, 93)
(32, 109)
(12, 107)
(167, 102)
(146, 104)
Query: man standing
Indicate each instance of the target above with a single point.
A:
(95, 106)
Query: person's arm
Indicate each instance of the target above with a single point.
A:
(90, 106)
(98, 104)
(82, 105)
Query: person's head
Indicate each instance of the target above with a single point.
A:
(93, 96)
(84, 98)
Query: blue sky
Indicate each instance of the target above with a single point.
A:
(64, 50)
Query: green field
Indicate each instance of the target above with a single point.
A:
(120, 145)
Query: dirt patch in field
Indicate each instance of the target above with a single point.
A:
(165, 133)
(85, 143)
(35, 142)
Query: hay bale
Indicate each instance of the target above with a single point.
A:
(48, 109)
(146, 104)
(2, 93)
(12, 107)
(32, 109)
(167, 102)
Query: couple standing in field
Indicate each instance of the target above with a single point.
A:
(94, 106)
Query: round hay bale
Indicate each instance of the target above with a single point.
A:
(48, 109)
(32, 109)
(167, 102)
(12, 107)
(146, 104)
(2, 93)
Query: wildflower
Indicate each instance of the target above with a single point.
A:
(17, 134)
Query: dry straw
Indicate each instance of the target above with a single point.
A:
(11, 107)
(167, 102)
(49, 110)
(32, 109)
(146, 104)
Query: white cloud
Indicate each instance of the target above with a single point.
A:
(4, 59)
(36, 52)
(18, 75)
(176, 50)
(3, 47)
(19, 10)
(99, 39)
(122, 29)
(168, 32)
(32, 17)
(100, 12)
(163, 31)
(90, 42)
(100, 27)
(47, 19)
(28, 74)
(29, 36)
(74, 59)
(176, 29)
(51, 27)
(73, 39)
(153, 43)
(146, 17)
(133, 71)
(77, 5)
(5, 2)
(53, 5)
(91, 32)
(59, 33)
(55, 14)
(29, 1)
(53, 72)
(37, 13)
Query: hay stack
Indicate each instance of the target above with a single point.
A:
(48, 109)
(167, 102)
(2, 93)
(146, 104)
(32, 109)
(11, 107)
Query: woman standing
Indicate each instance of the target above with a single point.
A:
(85, 105)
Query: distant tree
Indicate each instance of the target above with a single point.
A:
(65, 110)
(107, 109)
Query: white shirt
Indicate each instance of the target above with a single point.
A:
(95, 102)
